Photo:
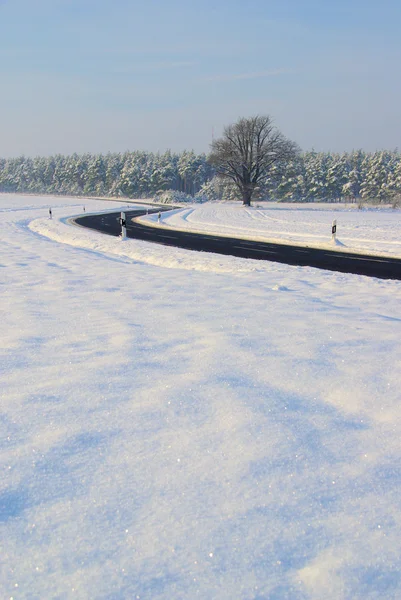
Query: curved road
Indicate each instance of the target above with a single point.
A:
(345, 262)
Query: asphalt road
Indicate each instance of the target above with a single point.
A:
(373, 266)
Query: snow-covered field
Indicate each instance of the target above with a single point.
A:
(178, 425)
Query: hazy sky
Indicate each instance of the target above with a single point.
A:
(115, 75)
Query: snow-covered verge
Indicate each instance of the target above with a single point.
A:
(372, 231)
(62, 231)
(173, 433)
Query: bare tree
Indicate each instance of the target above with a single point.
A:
(247, 151)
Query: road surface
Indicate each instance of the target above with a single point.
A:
(345, 262)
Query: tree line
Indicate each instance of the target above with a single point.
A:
(308, 176)
(326, 177)
(128, 174)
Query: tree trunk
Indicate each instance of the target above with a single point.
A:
(246, 197)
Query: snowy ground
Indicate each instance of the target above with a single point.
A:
(180, 425)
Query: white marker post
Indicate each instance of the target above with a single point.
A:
(50, 213)
(158, 218)
(334, 230)
(123, 224)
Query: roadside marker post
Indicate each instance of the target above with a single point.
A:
(50, 213)
(158, 218)
(334, 229)
(123, 224)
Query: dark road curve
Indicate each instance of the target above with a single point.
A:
(372, 266)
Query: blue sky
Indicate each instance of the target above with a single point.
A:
(102, 75)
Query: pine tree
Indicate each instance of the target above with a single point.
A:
(374, 186)
(316, 176)
(291, 186)
(114, 165)
(95, 178)
(394, 176)
(352, 187)
(337, 175)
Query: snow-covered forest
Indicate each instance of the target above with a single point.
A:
(312, 176)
